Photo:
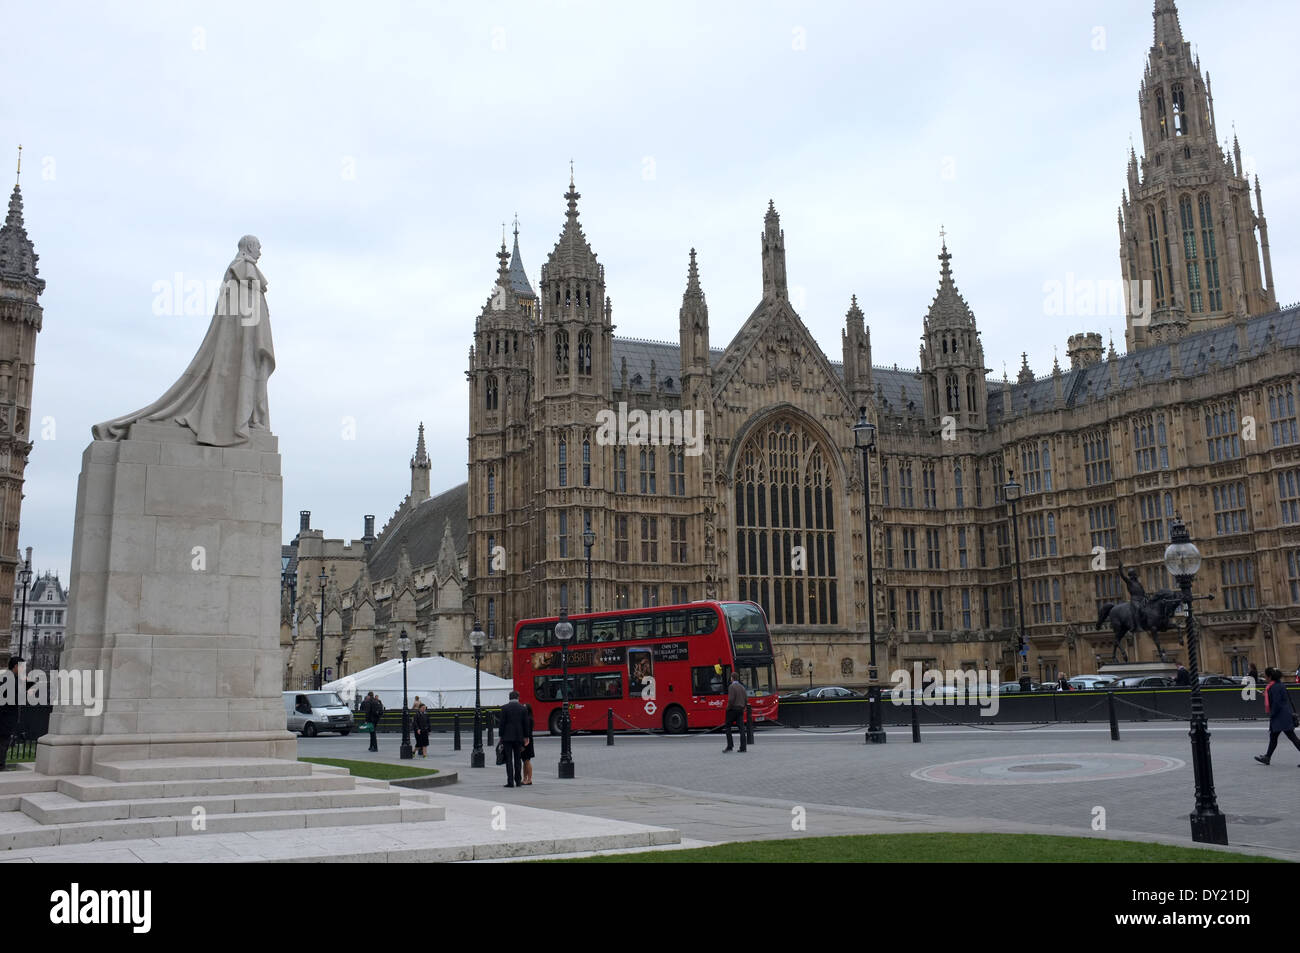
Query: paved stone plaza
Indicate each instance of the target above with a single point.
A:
(1144, 782)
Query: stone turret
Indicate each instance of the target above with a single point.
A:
(1084, 349)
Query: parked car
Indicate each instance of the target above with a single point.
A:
(1144, 681)
(1222, 681)
(1085, 682)
(1012, 688)
(312, 712)
(830, 691)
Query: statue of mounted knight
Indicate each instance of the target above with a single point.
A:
(222, 394)
(1151, 614)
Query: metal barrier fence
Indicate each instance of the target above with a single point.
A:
(1073, 707)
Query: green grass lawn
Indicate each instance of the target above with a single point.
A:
(933, 848)
(374, 769)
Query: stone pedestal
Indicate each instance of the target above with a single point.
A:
(175, 570)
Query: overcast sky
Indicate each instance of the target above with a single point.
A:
(376, 149)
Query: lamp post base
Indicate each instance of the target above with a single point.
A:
(406, 752)
(566, 770)
(1209, 828)
(477, 759)
(876, 737)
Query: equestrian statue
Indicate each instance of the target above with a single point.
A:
(1151, 614)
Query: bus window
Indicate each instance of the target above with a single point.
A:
(532, 636)
(674, 623)
(702, 621)
(745, 619)
(608, 685)
(642, 627)
(706, 680)
(604, 630)
(582, 631)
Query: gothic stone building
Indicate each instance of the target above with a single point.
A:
(20, 321)
(411, 576)
(1199, 422)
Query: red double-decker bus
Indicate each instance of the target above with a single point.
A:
(668, 667)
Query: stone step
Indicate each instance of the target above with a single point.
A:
(58, 808)
(183, 769)
(29, 833)
(90, 788)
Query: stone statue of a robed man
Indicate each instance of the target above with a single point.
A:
(222, 394)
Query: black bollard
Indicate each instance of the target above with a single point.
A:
(1114, 719)
(749, 724)
(455, 733)
(491, 721)
(609, 728)
(916, 722)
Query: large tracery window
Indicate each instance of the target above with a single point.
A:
(785, 498)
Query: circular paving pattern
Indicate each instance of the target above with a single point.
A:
(1048, 768)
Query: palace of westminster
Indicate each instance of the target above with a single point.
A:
(1197, 419)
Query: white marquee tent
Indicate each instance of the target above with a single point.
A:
(440, 683)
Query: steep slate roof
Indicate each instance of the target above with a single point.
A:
(1195, 353)
(421, 528)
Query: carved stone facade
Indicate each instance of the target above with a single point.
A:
(20, 321)
(1188, 249)
(768, 505)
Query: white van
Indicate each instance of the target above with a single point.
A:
(310, 712)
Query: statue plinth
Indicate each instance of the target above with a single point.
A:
(176, 568)
(1127, 669)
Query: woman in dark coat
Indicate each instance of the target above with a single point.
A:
(1281, 716)
(528, 752)
(421, 723)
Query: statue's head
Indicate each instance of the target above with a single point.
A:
(1133, 574)
(250, 247)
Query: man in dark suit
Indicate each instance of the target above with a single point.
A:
(516, 729)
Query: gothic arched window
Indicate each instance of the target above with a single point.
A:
(491, 490)
(586, 462)
(1180, 110)
(1153, 242)
(785, 525)
(584, 353)
(564, 462)
(956, 483)
(1189, 253)
(562, 353)
(972, 404)
(491, 393)
(950, 390)
(1213, 294)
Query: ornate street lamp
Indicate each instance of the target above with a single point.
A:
(563, 633)
(476, 638)
(405, 752)
(864, 438)
(1012, 492)
(320, 668)
(588, 540)
(1183, 560)
(24, 577)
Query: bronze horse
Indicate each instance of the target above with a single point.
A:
(1155, 615)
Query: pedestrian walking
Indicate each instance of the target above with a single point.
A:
(528, 752)
(10, 706)
(1065, 682)
(1282, 719)
(373, 709)
(1182, 677)
(421, 724)
(514, 732)
(737, 699)
(1254, 673)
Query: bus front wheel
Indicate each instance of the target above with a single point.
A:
(553, 724)
(675, 720)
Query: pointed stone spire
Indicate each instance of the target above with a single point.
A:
(1167, 33)
(693, 291)
(572, 197)
(402, 574)
(421, 458)
(446, 562)
(518, 276)
(17, 253)
(361, 589)
(774, 284)
(949, 308)
(503, 261)
(420, 467)
(1110, 351)
(1026, 376)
